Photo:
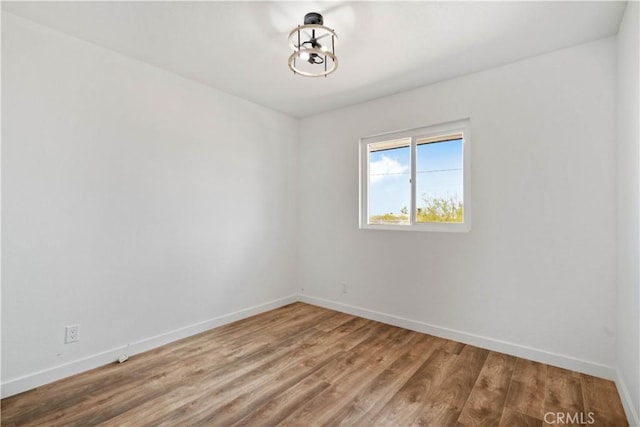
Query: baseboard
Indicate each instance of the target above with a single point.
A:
(629, 406)
(518, 350)
(37, 379)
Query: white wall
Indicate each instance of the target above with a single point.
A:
(135, 203)
(536, 275)
(628, 342)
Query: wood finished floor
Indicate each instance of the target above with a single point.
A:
(302, 365)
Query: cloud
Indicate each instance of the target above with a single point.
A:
(385, 168)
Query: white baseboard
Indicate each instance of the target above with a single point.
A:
(629, 406)
(518, 350)
(37, 379)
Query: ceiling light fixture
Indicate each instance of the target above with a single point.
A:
(313, 45)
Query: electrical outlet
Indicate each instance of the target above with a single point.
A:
(71, 334)
(345, 288)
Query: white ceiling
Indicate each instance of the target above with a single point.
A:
(383, 47)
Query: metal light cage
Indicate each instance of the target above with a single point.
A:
(313, 45)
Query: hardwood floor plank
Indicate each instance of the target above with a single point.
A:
(486, 401)
(453, 346)
(305, 365)
(284, 393)
(602, 399)
(563, 394)
(408, 402)
(334, 321)
(368, 359)
(512, 418)
(526, 391)
(445, 402)
(382, 387)
(282, 405)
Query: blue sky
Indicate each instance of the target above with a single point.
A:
(439, 174)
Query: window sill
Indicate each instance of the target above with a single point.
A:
(431, 227)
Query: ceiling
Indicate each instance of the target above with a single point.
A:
(383, 47)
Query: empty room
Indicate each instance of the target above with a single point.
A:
(309, 213)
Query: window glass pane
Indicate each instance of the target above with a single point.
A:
(439, 181)
(389, 182)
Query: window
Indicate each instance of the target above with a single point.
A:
(416, 179)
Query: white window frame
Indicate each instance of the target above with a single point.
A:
(458, 126)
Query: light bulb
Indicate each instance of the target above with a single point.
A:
(304, 55)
